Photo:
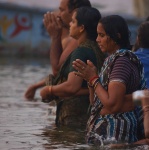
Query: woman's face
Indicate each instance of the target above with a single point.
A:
(106, 44)
(75, 30)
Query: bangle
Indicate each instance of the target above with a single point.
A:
(90, 80)
(89, 85)
(96, 83)
(50, 89)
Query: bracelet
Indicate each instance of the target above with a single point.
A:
(89, 85)
(95, 83)
(90, 80)
(50, 89)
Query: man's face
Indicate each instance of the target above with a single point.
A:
(65, 15)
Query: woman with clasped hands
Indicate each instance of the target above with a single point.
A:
(113, 114)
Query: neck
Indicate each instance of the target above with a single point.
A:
(117, 47)
(82, 39)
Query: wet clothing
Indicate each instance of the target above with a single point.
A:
(127, 126)
(74, 110)
(143, 54)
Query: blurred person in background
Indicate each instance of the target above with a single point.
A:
(143, 51)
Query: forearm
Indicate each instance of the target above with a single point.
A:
(64, 90)
(55, 53)
(82, 91)
(91, 95)
(40, 84)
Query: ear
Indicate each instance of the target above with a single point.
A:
(82, 28)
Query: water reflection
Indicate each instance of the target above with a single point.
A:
(26, 125)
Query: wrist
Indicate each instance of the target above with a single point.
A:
(92, 79)
(94, 82)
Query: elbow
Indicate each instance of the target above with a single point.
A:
(113, 108)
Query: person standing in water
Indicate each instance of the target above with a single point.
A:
(72, 103)
(62, 44)
(113, 114)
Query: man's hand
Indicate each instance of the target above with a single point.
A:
(52, 24)
(30, 93)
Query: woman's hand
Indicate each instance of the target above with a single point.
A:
(45, 93)
(86, 71)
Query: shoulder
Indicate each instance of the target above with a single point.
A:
(122, 60)
(69, 44)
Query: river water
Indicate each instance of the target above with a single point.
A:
(29, 125)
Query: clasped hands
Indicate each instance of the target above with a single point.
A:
(53, 24)
(85, 71)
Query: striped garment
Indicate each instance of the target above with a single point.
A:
(123, 66)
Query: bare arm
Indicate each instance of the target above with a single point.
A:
(62, 45)
(57, 58)
(65, 89)
(114, 99)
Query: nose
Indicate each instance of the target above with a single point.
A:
(70, 23)
(97, 39)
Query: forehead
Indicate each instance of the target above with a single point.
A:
(100, 28)
(64, 4)
(74, 14)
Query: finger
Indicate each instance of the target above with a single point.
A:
(59, 22)
(77, 67)
(78, 74)
(80, 62)
(54, 20)
(45, 23)
(90, 63)
(48, 17)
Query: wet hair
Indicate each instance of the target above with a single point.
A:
(73, 4)
(117, 29)
(89, 17)
(143, 35)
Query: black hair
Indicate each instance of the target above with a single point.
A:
(89, 17)
(116, 28)
(147, 19)
(73, 4)
(143, 35)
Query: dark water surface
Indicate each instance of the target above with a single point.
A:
(29, 125)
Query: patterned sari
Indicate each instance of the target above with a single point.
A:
(122, 127)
